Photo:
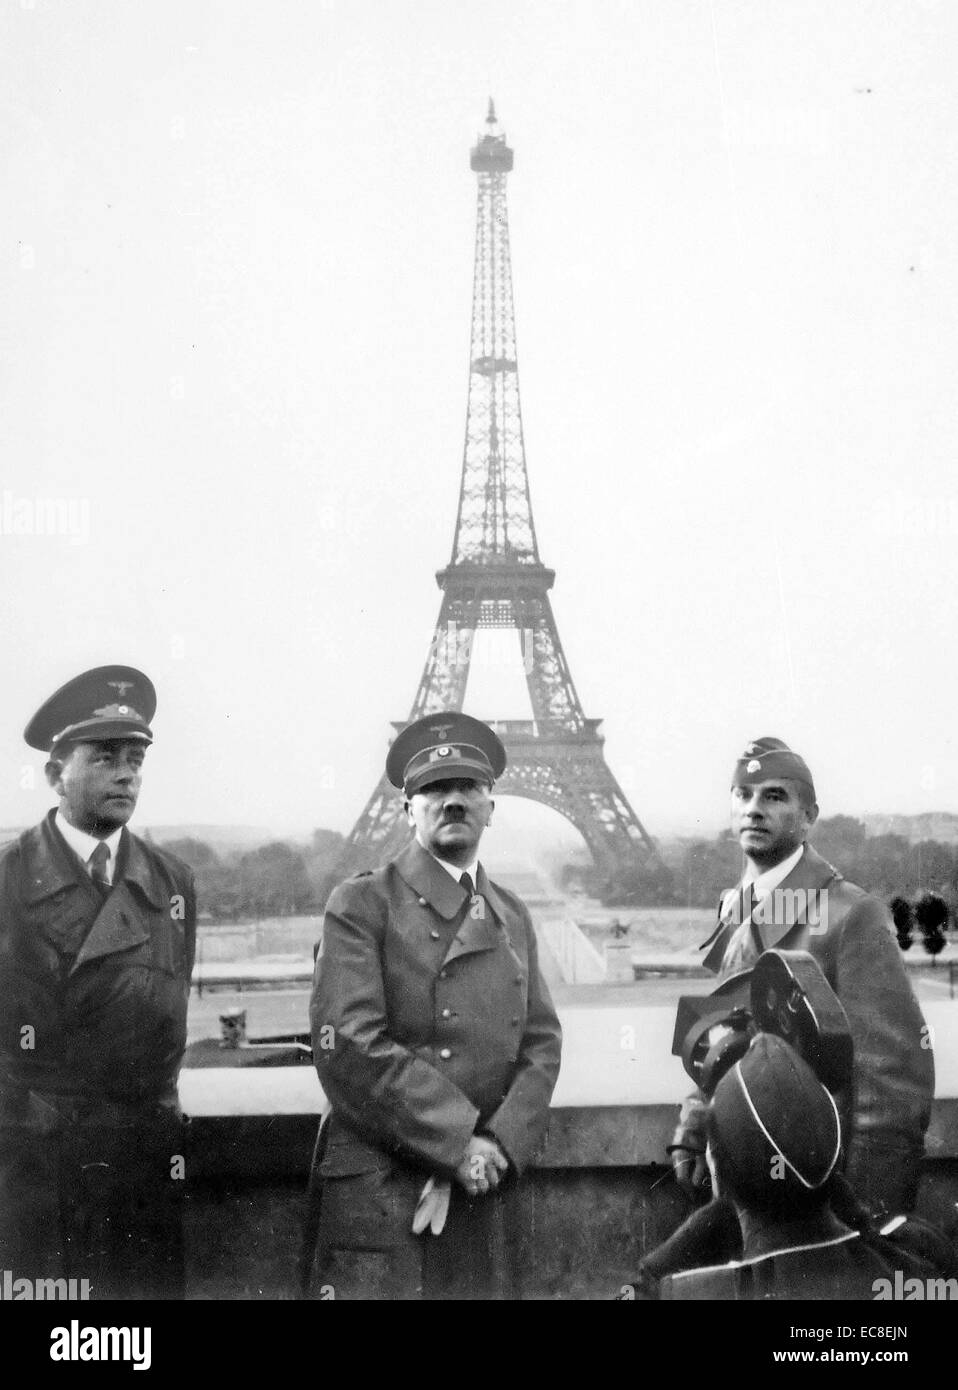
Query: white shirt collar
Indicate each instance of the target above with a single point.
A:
(778, 873)
(764, 883)
(83, 844)
(455, 871)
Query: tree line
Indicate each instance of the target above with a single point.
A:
(281, 879)
(273, 880)
(889, 866)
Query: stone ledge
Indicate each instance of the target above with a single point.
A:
(281, 1144)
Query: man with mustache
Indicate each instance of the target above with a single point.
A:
(97, 933)
(435, 1040)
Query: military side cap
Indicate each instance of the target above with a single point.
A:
(107, 702)
(443, 746)
(774, 1129)
(770, 757)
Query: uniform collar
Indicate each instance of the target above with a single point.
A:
(84, 845)
(453, 870)
(430, 879)
(810, 871)
(434, 881)
(777, 874)
(50, 867)
(764, 883)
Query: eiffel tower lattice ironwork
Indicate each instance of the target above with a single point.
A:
(495, 579)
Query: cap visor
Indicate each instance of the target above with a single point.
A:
(447, 771)
(104, 730)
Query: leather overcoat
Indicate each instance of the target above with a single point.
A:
(94, 990)
(94, 996)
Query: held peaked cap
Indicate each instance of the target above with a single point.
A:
(443, 746)
(770, 757)
(105, 703)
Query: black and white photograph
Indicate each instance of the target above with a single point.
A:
(478, 771)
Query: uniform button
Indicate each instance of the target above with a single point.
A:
(434, 935)
(515, 1023)
(422, 902)
(442, 974)
(445, 1054)
(447, 1013)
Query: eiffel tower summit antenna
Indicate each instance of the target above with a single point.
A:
(495, 579)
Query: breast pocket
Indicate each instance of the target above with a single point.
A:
(413, 950)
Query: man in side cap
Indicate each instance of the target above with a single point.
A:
(774, 1141)
(97, 935)
(790, 897)
(435, 1040)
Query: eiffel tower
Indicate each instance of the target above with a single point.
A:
(495, 579)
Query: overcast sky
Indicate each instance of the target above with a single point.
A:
(236, 286)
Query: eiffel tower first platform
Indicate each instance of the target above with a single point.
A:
(495, 579)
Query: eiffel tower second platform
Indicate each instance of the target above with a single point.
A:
(496, 580)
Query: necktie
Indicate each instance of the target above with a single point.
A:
(748, 900)
(749, 905)
(467, 883)
(737, 954)
(98, 861)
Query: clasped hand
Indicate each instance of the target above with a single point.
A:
(483, 1166)
(691, 1171)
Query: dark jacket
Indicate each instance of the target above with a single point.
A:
(94, 996)
(846, 1267)
(94, 990)
(430, 1022)
(847, 931)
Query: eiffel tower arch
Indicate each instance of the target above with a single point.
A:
(495, 579)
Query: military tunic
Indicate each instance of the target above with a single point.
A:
(846, 930)
(431, 1022)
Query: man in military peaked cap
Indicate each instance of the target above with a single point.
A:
(97, 933)
(435, 1040)
(790, 897)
